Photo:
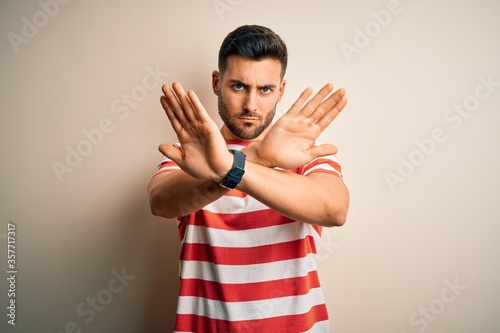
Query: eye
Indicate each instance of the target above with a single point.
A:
(266, 90)
(238, 86)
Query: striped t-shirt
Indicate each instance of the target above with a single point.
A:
(246, 268)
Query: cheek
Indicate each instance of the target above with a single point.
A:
(232, 101)
(267, 104)
(233, 105)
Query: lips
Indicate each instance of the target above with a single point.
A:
(248, 118)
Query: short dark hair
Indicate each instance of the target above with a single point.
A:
(253, 42)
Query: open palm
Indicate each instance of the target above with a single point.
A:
(290, 143)
(204, 154)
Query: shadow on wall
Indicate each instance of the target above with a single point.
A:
(163, 282)
(154, 254)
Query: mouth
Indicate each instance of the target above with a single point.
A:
(248, 118)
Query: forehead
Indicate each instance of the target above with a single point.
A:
(259, 72)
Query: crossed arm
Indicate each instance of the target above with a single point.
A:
(319, 198)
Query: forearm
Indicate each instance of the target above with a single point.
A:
(319, 198)
(175, 193)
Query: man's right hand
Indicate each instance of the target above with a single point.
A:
(204, 153)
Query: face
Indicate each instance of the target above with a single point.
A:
(248, 92)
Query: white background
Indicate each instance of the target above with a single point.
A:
(387, 270)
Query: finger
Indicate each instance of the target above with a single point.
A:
(297, 105)
(323, 150)
(187, 107)
(171, 152)
(199, 109)
(176, 125)
(329, 116)
(311, 106)
(327, 105)
(174, 104)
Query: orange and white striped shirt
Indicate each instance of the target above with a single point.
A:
(246, 268)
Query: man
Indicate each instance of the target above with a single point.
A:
(250, 198)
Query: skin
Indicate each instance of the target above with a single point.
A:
(248, 92)
(252, 87)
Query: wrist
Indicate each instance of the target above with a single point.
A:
(252, 155)
(234, 175)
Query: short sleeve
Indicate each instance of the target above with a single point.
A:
(166, 164)
(327, 164)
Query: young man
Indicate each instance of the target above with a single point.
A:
(250, 198)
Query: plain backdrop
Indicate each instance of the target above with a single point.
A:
(80, 123)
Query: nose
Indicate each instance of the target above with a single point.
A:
(250, 101)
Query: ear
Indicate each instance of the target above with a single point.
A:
(216, 82)
(281, 89)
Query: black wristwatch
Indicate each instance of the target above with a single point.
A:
(233, 177)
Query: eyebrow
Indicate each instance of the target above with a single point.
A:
(233, 81)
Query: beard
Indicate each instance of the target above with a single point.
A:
(249, 131)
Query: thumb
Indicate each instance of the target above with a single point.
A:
(323, 150)
(171, 152)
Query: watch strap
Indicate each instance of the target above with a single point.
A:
(233, 177)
